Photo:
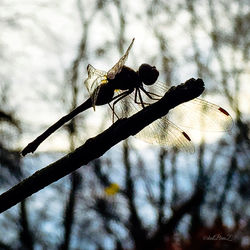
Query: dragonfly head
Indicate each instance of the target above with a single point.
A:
(148, 74)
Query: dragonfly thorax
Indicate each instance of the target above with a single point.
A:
(126, 79)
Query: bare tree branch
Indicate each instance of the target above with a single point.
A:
(167, 228)
(97, 146)
(9, 118)
(136, 229)
(69, 210)
(25, 233)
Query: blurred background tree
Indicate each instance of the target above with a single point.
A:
(166, 199)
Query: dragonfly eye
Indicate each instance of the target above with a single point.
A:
(148, 74)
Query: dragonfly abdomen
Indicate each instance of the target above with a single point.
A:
(105, 94)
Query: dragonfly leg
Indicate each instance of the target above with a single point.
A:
(113, 113)
(149, 94)
(144, 103)
(136, 91)
(117, 99)
(136, 97)
(139, 102)
(140, 97)
(122, 95)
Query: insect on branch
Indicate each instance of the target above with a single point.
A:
(97, 146)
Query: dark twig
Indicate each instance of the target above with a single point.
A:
(97, 146)
(9, 118)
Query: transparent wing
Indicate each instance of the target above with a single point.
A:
(118, 66)
(95, 79)
(165, 133)
(197, 113)
(160, 132)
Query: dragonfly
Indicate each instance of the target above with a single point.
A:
(127, 91)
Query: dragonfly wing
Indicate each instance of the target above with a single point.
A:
(164, 132)
(205, 116)
(95, 79)
(160, 132)
(197, 113)
(118, 66)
